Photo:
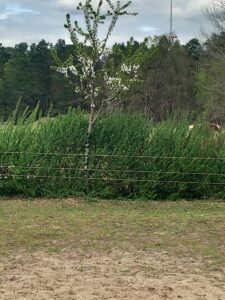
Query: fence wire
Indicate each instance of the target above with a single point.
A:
(6, 170)
(6, 176)
(112, 155)
(23, 167)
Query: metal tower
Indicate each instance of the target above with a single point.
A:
(172, 35)
(171, 19)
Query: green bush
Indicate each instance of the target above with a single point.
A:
(130, 157)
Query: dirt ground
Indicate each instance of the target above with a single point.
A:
(117, 275)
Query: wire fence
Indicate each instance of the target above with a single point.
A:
(107, 173)
(28, 167)
(112, 155)
(6, 176)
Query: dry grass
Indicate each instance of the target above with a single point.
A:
(194, 229)
(76, 249)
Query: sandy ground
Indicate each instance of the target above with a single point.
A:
(118, 275)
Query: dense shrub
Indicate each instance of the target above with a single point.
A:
(130, 157)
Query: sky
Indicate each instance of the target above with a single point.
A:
(32, 20)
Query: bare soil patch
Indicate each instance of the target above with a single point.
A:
(117, 275)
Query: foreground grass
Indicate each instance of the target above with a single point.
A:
(193, 229)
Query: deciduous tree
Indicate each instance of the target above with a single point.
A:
(99, 83)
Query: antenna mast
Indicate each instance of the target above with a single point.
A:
(171, 21)
(172, 35)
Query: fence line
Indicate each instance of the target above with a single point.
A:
(42, 153)
(114, 155)
(109, 170)
(29, 176)
(105, 173)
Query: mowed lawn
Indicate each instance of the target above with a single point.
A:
(190, 229)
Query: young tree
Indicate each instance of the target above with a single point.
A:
(99, 83)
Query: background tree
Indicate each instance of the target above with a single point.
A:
(5, 54)
(212, 71)
(40, 60)
(16, 79)
(168, 85)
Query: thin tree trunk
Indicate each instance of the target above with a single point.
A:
(87, 145)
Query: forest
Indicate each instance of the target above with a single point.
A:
(187, 78)
(175, 77)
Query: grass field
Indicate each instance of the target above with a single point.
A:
(154, 240)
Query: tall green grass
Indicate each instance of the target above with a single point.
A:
(130, 157)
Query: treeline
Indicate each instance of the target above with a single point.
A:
(25, 73)
(175, 77)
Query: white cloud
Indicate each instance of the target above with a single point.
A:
(14, 10)
(148, 29)
(66, 3)
(3, 16)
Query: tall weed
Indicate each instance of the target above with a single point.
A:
(130, 157)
